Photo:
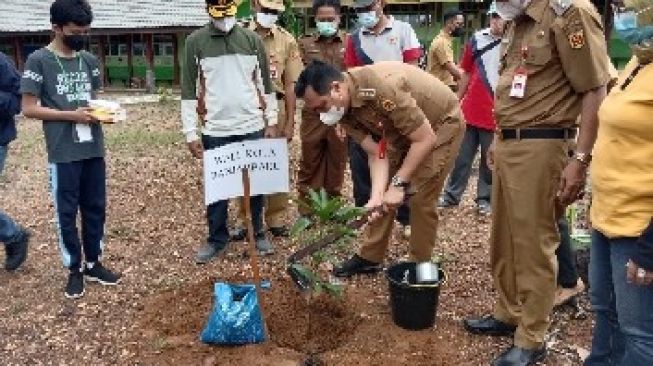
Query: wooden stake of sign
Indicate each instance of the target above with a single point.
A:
(253, 254)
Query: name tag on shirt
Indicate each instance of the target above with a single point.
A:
(84, 133)
(518, 88)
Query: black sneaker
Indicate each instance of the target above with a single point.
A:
(356, 265)
(279, 231)
(102, 275)
(238, 234)
(75, 285)
(17, 251)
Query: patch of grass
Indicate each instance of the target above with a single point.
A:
(17, 308)
(120, 232)
(159, 344)
(139, 137)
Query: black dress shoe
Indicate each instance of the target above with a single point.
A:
(355, 265)
(516, 356)
(489, 326)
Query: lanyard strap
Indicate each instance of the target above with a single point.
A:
(63, 70)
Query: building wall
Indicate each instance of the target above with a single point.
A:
(124, 57)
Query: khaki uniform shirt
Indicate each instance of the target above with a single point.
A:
(393, 99)
(441, 53)
(330, 50)
(283, 53)
(561, 45)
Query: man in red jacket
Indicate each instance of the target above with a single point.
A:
(480, 65)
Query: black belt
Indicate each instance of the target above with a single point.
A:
(537, 133)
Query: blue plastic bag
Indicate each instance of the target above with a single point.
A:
(236, 316)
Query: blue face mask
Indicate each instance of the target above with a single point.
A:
(625, 24)
(368, 19)
(326, 29)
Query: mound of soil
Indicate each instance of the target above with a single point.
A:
(309, 325)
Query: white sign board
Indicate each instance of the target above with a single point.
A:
(266, 159)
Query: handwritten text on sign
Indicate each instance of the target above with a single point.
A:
(266, 159)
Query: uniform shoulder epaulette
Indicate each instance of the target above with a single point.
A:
(560, 7)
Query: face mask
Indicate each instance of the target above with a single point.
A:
(225, 24)
(627, 28)
(458, 32)
(511, 9)
(327, 29)
(266, 20)
(332, 116)
(75, 41)
(368, 19)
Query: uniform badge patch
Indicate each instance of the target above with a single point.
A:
(367, 93)
(577, 39)
(388, 105)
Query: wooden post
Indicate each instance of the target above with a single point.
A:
(175, 62)
(253, 255)
(103, 58)
(130, 58)
(18, 53)
(150, 82)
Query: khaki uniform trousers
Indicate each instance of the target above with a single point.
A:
(427, 184)
(275, 204)
(525, 234)
(323, 159)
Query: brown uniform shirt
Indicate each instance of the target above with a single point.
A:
(441, 53)
(283, 53)
(393, 99)
(561, 45)
(330, 50)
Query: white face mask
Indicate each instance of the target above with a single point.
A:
(266, 20)
(511, 9)
(332, 116)
(224, 24)
(368, 19)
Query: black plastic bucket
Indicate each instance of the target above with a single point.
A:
(414, 306)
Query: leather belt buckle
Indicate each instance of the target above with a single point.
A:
(517, 134)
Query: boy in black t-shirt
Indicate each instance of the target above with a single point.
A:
(64, 78)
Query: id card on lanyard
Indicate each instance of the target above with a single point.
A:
(518, 88)
(82, 133)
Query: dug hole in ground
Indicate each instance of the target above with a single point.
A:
(156, 222)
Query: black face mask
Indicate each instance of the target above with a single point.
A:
(75, 41)
(458, 32)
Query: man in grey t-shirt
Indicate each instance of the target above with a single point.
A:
(64, 78)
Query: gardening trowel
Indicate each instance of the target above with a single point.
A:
(299, 277)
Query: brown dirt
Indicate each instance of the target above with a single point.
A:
(309, 325)
(155, 223)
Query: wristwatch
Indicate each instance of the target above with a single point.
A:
(398, 182)
(583, 158)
